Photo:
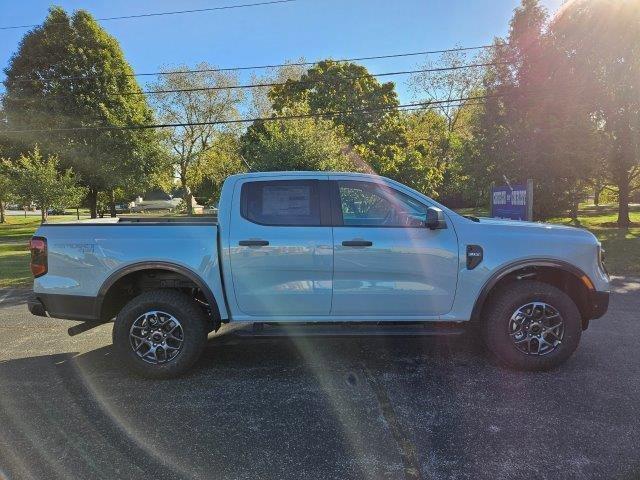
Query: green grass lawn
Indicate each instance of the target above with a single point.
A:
(14, 250)
(622, 246)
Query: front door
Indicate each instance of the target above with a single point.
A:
(386, 262)
(281, 248)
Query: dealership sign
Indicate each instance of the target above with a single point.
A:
(512, 201)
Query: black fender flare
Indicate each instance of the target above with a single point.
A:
(518, 265)
(154, 265)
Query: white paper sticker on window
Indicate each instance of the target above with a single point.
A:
(286, 201)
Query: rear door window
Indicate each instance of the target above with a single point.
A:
(282, 202)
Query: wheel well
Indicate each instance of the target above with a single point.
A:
(134, 283)
(568, 282)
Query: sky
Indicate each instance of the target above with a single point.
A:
(269, 34)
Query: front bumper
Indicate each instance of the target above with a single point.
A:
(598, 304)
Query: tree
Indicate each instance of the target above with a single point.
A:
(530, 127)
(599, 43)
(37, 180)
(301, 144)
(6, 190)
(417, 161)
(330, 87)
(207, 100)
(448, 127)
(261, 105)
(69, 73)
(222, 160)
(450, 85)
(6, 186)
(410, 166)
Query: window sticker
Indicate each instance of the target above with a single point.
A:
(286, 201)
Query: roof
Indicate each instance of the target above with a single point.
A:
(306, 174)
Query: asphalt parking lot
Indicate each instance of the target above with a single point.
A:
(365, 408)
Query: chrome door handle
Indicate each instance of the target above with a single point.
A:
(253, 243)
(357, 243)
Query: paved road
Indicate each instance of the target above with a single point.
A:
(323, 409)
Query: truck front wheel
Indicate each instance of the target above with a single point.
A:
(531, 325)
(160, 334)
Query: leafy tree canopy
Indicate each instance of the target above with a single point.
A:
(37, 179)
(70, 73)
(304, 144)
(597, 47)
(206, 100)
(331, 87)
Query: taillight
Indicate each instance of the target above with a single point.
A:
(38, 247)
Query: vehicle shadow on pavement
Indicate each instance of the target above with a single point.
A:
(405, 408)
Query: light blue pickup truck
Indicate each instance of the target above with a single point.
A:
(319, 253)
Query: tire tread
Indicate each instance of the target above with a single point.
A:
(502, 305)
(190, 315)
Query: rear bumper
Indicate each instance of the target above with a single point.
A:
(598, 304)
(69, 307)
(36, 307)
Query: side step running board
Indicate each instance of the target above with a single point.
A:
(411, 330)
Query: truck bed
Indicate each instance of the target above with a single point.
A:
(199, 220)
(84, 257)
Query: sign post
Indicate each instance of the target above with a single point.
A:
(514, 202)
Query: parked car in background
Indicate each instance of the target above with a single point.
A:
(122, 208)
(210, 210)
(327, 254)
(56, 211)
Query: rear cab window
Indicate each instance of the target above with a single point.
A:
(282, 202)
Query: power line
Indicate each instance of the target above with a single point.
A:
(303, 64)
(275, 65)
(274, 84)
(416, 106)
(160, 14)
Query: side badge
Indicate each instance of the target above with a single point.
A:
(474, 256)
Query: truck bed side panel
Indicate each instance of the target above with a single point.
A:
(82, 257)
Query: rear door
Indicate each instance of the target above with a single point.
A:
(386, 262)
(281, 247)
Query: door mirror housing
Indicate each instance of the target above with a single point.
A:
(435, 219)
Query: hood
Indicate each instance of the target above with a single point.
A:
(523, 224)
(536, 228)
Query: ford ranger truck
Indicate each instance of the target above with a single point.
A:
(320, 253)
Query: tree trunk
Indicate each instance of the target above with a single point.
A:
(574, 211)
(189, 200)
(92, 197)
(2, 219)
(596, 196)
(624, 171)
(623, 202)
(112, 204)
(187, 192)
(44, 214)
(78, 213)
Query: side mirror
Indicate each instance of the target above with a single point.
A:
(435, 219)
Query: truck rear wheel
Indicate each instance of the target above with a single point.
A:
(160, 334)
(531, 325)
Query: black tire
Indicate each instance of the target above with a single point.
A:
(497, 316)
(189, 314)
